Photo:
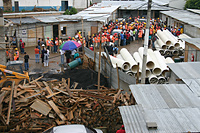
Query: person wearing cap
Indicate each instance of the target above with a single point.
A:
(178, 32)
(51, 45)
(56, 45)
(42, 54)
(16, 54)
(121, 130)
(46, 57)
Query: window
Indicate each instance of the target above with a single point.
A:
(64, 31)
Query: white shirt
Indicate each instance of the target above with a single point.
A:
(73, 52)
(62, 52)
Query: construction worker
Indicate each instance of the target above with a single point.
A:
(46, 57)
(56, 45)
(26, 64)
(16, 54)
(51, 45)
(48, 43)
(37, 55)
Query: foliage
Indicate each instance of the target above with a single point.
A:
(23, 10)
(90, 3)
(192, 4)
(72, 11)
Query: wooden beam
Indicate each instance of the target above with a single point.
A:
(10, 103)
(55, 108)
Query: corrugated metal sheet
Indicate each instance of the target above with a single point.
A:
(164, 96)
(194, 85)
(24, 20)
(167, 120)
(186, 70)
(184, 16)
(133, 5)
(194, 41)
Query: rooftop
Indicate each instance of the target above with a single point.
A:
(184, 16)
(194, 41)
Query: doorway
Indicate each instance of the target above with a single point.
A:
(64, 5)
(55, 31)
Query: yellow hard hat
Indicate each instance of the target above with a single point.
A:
(73, 38)
(51, 38)
(79, 32)
(16, 48)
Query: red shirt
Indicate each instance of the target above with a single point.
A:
(37, 51)
(120, 131)
(91, 48)
(22, 45)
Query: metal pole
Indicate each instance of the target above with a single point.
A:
(146, 40)
(82, 37)
(99, 69)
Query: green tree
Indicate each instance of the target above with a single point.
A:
(192, 4)
(67, 12)
(72, 11)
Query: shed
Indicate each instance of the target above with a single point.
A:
(190, 21)
(192, 49)
(162, 108)
(188, 73)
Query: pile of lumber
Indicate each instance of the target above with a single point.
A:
(38, 105)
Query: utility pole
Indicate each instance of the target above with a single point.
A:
(82, 37)
(146, 40)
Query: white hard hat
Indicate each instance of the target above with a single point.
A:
(43, 45)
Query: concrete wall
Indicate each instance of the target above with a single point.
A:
(79, 4)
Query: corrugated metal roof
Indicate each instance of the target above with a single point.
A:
(164, 96)
(186, 70)
(133, 5)
(194, 41)
(24, 20)
(194, 10)
(30, 13)
(194, 85)
(184, 16)
(167, 120)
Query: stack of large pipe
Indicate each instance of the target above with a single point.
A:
(155, 66)
(120, 63)
(174, 45)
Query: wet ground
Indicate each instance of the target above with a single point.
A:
(54, 59)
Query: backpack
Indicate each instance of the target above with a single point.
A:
(115, 50)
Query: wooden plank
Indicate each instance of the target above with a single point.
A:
(15, 92)
(21, 92)
(10, 103)
(96, 96)
(69, 83)
(61, 91)
(116, 96)
(34, 95)
(38, 85)
(55, 108)
(3, 94)
(49, 96)
(29, 86)
(41, 107)
(67, 87)
(8, 89)
(36, 79)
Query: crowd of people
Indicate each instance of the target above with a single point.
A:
(114, 34)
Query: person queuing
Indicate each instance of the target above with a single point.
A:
(37, 55)
(26, 64)
(16, 54)
(46, 57)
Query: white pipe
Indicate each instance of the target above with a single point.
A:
(156, 70)
(161, 43)
(161, 80)
(153, 79)
(127, 57)
(149, 63)
(171, 47)
(138, 59)
(164, 38)
(175, 52)
(130, 73)
(172, 38)
(120, 63)
(161, 61)
(169, 60)
(119, 57)
(167, 52)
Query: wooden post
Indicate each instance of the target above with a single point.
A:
(82, 37)
(36, 34)
(99, 69)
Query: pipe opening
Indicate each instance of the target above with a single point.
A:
(148, 73)
(171, 47)
(153, 80)
(134, 68)
(177, 44)
(164, 47)
(175, 52)
(162, 52)
(168, 42)
(161, 80)
(139, 75)
(157, 71)
(126, 66)
(130, 73)
(150, 65)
